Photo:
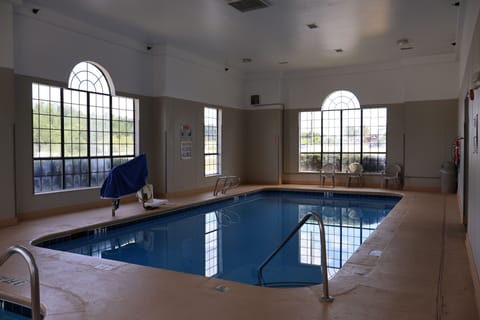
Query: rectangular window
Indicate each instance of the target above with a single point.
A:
(211, 141)
(374, 142)
(310, 141)
(342, 137)
(78, 136)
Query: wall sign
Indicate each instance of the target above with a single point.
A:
(186, 142)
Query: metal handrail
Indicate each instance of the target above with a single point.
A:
(326, 297)
(228, 183)
(34, 282)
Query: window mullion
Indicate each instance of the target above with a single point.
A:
(111, 129)
(361, 136)
(341, 139)
(62, 136)
(88, 140)
(321, 140)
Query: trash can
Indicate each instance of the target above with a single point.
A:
(448, 177)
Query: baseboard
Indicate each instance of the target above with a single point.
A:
(473, 272)
(70, 209)
(421, 189)
(8, 222)
(185, 192)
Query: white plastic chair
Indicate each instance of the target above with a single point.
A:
(355, 172)
(392, 173)
(328, 172)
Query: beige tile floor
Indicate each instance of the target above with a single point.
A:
(422, 273)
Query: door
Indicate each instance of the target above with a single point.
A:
(465, 155)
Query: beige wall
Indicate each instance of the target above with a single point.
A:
(419, 138)
(7, 186)
(171, 173)
(263, 149)
(430, 129)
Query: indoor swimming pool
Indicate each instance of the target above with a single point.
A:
(230, 239)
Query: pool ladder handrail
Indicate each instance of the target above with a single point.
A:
(34, 282)
(229, 182)
(326, 296)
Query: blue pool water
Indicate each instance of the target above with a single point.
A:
(231, 238)
(12, 311)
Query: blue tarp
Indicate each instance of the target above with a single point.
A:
(126, 178)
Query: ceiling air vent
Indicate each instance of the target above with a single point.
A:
(248, 5)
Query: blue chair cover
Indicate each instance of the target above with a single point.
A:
(125, 179)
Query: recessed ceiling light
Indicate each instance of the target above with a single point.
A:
(283, 62)
(246, 60)
(312, 25)
(339, 50)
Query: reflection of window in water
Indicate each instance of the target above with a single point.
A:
(211, 244)
(346, 228)
(97, 248)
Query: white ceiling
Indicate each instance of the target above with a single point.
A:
(366, 30)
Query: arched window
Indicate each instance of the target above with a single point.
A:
(88, 76)
(340, 100)
(81, 132)
(342, 133)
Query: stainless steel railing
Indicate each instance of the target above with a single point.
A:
(34, 282)
(229, 182)
(323, 251)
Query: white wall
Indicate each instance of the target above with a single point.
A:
(46, 50)
(48, 45)
(469, 16)
(6, 35)
(474, 186)
(192, 78)
(430, 78)
(268, 85)
(470, 63)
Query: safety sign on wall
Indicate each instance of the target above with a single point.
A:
(185, 142)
